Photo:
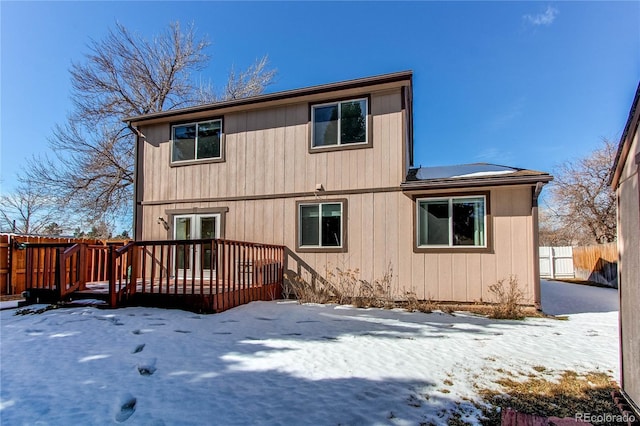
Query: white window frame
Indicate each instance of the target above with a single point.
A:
(197, 123)
(319, 205)
(450, 222)
(196, 235)
(339, 103)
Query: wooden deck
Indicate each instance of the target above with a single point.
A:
(200, 275)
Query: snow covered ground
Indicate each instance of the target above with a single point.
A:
(281, 363)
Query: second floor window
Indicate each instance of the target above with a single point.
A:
(339, 123)
(196, 141)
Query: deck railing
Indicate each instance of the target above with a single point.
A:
(208, 274)
(222, 273)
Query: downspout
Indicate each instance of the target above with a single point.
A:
(537, 300)
(137, 231)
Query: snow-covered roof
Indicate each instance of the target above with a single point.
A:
(463, 171)
(470, 175)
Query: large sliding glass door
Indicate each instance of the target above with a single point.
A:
(195, 257)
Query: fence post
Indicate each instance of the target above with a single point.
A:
(552, 263)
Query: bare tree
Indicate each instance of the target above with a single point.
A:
(27, 211)
(582, 205)
(125, 74)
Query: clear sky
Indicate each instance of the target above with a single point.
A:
(526, 84)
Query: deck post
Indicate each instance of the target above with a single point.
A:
(134, 270)
(82, 268)
(111, 271)
(60, 280)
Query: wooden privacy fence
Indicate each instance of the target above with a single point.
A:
(597, 263)
(205, 275)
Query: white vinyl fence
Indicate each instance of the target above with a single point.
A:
(556, 262)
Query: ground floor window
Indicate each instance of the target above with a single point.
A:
(451, 221)
(321, 225)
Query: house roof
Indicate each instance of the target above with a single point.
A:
(276, 96)
(471, 175)
(625, 141)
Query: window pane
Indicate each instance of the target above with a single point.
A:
(331, 233)
(468, 222)
(353, 122)
(207, 230)
(209, 139)
(433, 226)
(184, 143)
(183, 232)
(309, 221)
(325, 125)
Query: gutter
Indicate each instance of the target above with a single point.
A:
(539, 180)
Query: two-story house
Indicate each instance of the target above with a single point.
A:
(327, 171)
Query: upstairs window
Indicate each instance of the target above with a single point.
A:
(196, 141)
(340, 123)
(452, 222)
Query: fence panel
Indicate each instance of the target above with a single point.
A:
(4, 264)
(597, 263)
(556, 262)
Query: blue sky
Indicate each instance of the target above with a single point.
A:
(527, 84)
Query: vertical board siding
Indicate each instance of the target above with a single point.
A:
(380, 232)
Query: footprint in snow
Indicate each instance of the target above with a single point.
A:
(157, 324)
(222, 332)
(304, 321)
(136, 332)
(228, 321)
(126, 408)
(292, 334)
(147, 368)
(138, 349)
(182, 331)
(264, 319)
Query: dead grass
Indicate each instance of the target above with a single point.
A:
(572, 393)
(9, 297)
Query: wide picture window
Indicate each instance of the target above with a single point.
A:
(320, 225)
(197, 141)
(339, 123)
(452, 222)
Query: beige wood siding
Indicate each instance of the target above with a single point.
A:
(267, 152)
(380, 234)
(629, 267)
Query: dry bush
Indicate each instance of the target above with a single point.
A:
(351, 289)
(508, 299)
(343, 286)
(304, 291)
(413, 304)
